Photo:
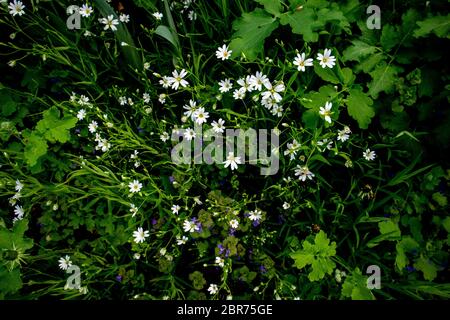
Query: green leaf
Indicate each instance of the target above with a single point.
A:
(407, 244)
(390, 37)
(355, 287)
(389, 227)
(35, 147)
(303, 22)
(164, 31)
(427, 267)
(359, 107)
(272, 6)
(8, 106)
(318, 255)
(251, 31)
(439, 25)
(10, 281)
(327, 74)
(384, 78)
(357, 51)
(55, 129)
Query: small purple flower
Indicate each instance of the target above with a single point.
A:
(227, 253)
(154, 221)
(232, 231)
(255, 223)
(262, 269)
(410, 269)
(171, 179)
(119, 278)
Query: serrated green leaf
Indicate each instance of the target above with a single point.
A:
(390, 37)
(303, 22)
(384, 78)
(359, 107)
(327, 74)
(427, 267)
(439, 25)
(318, 255)
(355, 287)
(10, 281)
(272, 6)
(35, 147)
(358, 50)
(55, 129)
(389, 227)
(251, 31)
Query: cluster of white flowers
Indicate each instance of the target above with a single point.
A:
(18, 210)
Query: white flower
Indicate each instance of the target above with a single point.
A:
(218, 126)
(146, 97)
(125, 18)
(165, 81)
(162, 98)
(273, 91)
(86, 10)
(326, 112)
(163, 251)
(189, 134)
(239, 94)
(103, 144)
(200, 115)
(234, 224)
(369, 155)
(223, 52)
(133, 210)
(328, 144)
(326, 59)
(258, 80)
(122, 101)
(19, 186)
(342, 136)
(286, 205)
(292, 149)
(157, 15)
(245, 84)
(134, 155)
(135, 186)
(192, 16)
(177, 79)
(64, 262)
(93, 126)
(83, 100)
(137, 256)
(81, 114)
(301, 62)
(190, 109)
(303, 173)
(139, 235)
(175, 208)
(213, 289)
(220, 262)
(16, 8)
(18, 211)
(255, 215)
(181, 240)
(164, 136)
(225, 85)
(277, 110)
(110, 23)
(232, 161)
(190, 226)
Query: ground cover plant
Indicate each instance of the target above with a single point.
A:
(99, 100)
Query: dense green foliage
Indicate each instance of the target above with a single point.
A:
(85, 123)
